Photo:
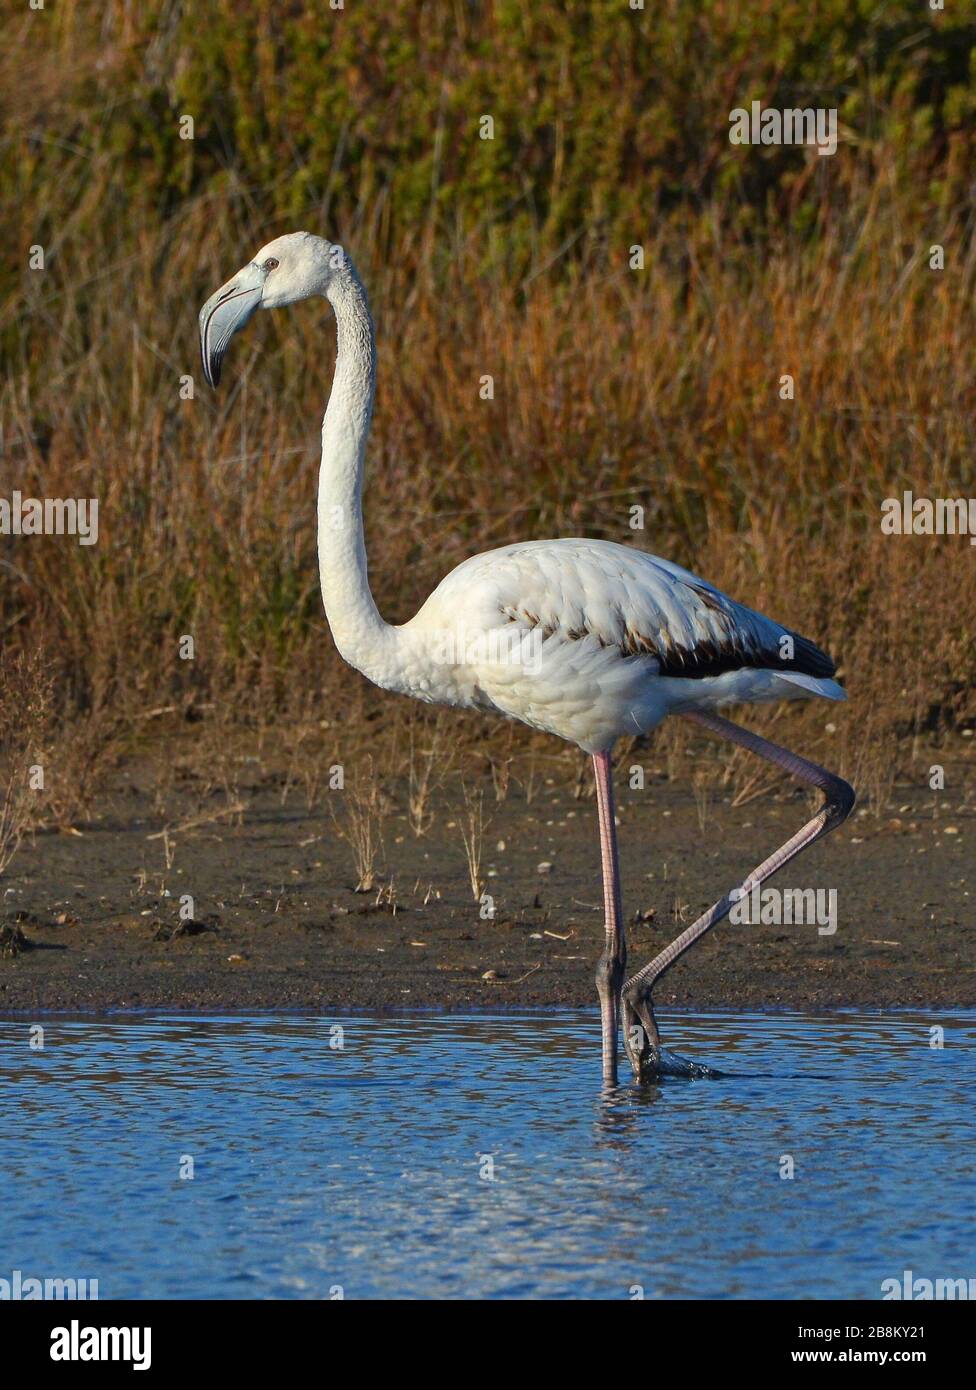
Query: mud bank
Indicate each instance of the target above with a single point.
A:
(91, 920)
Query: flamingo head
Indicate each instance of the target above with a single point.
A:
(288, 269)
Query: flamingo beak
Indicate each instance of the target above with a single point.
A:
(224, 313)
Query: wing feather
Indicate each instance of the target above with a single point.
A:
(626, 599)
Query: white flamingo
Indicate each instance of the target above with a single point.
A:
(585, 639)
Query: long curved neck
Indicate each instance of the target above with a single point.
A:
(360, 634)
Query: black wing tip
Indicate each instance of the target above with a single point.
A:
(720, 658)
(808, 659)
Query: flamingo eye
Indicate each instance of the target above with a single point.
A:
(271, 263)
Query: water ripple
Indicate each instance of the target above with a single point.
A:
(474, 1156)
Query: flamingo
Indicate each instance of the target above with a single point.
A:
(585, 639)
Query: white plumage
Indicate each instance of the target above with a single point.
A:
(584, 639)
(597, 621)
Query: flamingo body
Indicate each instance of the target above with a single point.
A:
(591, 640)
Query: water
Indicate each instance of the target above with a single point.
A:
(366, 1168)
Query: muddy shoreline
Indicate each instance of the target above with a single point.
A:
(91, 921)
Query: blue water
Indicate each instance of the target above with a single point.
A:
(475, 1156)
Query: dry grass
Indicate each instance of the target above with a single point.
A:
(472, 824)
(426, 769)
(613, 388)
(622, 391)
(361, 825)
(25, 718)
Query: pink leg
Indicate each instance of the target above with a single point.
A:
(610, 970)
(640, 1030)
